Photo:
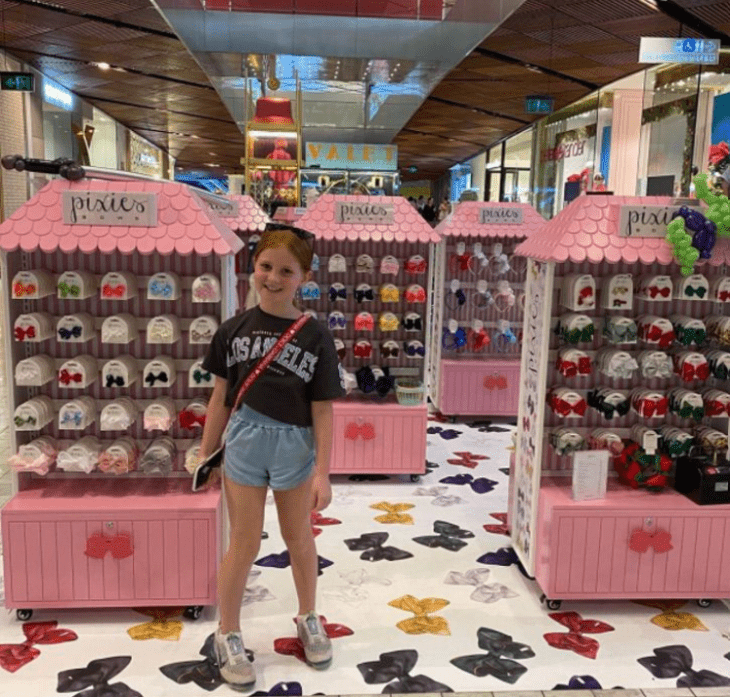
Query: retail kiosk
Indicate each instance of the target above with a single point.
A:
(613, 349)
(372, 289)
(112, 291)
(479, 300)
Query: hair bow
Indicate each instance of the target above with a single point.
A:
(337, 293)
(362, 349)
(67, 334)
(655, 290)
(364, 264)
(152, 378)
(112, 380)
(389, 350)
(689, 372)
(564, 408)
(160, 289)
(719, 370)
(364, 322)
(66, 289)
(714, 407)
(655, 335)
(389, 294)
(651, 408)
(620, 333)
(66, 378)
(364, 294)
(388, 322)
(478, 341)
(504, 338)
(597, 400)
(655, 368)
(415, 294)
(574, 639)
(458, 295)
(414, 348)
(337, 264)
(15, 656)
(416, 266)
(699, 291)
(336, 320)
(689, 335)
(641, 540)
(585, 296)
(19, 289)
(354, 431)
(114, 464)
(28, 421)
(99, 544)
(108, 291)
(452, 341)
(189, 419)
(724, 295)
(458, 262)
(206, 291)
(72, 418)
(412, 324)
(23, 333)
(569, 368)
(310, 291)
(687, 411)
(389, 265)
(575, 336)
(200, 376)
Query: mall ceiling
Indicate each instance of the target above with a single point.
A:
(154, 86)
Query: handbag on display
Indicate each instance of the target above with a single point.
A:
(205, 468)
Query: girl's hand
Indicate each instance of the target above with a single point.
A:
(321, 492)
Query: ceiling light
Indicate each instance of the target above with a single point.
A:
(103, 66)
(272, 134)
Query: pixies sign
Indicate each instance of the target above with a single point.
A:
(369, 213)
(646, 221)
(127, 208)
(500, 216)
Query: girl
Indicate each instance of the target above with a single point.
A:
(280, 438)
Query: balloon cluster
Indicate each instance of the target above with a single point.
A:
(689, 248)
(718, 205)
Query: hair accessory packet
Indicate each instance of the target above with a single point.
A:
(193, 416)
(566, 403)
(82, 456)
(453, 337)
(337, 292)
(33, 327)
(389, 265)
(389, 293)
(35, 371)
(717, 402)
(336, 320)
(412, 322)
(389, 349)
(504, 298)
(341, 349)
(688, 330)
(609, 402)
(686, 404)
(364, 264)
(620, 330)
(119, 329)
(75, 329)
(120, 457)
(160, 372)
(566, 441)
(414, 349)
(649, 404)
(656, 331)
(655, 288)
(720, 289)
(311, 291)
(674, 441)
(364, 293)
(572, 362)
(206, 289)
(574, 328)
(198, 376)
(460, 260)
(160, 415)
(32, 285)
(719, 362)
(655, 365)
(606, 439)
(337, 264)
(118, 415)
(713, 325)
(578, 292)
(121, 371)
(77, 414)
(118, 285)
(616, 364)
(636, 468)
(34, 414)
(388, 322)
(159, 457)
(477, 338)
(694, 287)
(691, 366)
(164, 285)
(618, 292)
(78, 372)
(38, 456)
(192, 455)
(315, 262)
(362, 348)
(76, 285)
(165, 329)
(416, 265)
(711, 440)
(202, 329)
(365, 322)
(415, 294)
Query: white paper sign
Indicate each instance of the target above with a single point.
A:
(109, 208)
(369, 213)
(590, 473)
(500, 216)
(225, 209)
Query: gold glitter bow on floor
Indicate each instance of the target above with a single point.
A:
(394, 512)
(672, 620)
(422, 623)
(161, 626)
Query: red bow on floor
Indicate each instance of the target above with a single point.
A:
(21, 333)
(366, 431)
(574, 639)
(66, 378)
(498, 529)
(189, 419)
(664, 339)
(113, 292)
(99, 544)
(641, 540)
(467, 459)
(14, 656)
(291, 646)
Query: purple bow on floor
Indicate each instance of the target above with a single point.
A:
(282, 561)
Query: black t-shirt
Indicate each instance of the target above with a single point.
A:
(306, 370)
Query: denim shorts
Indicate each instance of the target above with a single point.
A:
(261, 451)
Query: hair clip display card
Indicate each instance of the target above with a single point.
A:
(199, 377)
(618, 292)
(691, 366)
(34, 414)
(616, 364)
(620, 330)
(206, 289)
(576, 328)
(192, 456)
(32, 285)
(192, 417)
(82, 456)
(656, 288)
(160, 373)
(120, 457)
(163, 329)
(75, 329)
(160, 415)
(159, 457)
(720, 289)
(33, 327)
(77, 414)
(717, 403)
(719, 362)
(566, 403)
(655, 365)
(78, 373)
(572, 362)
(694, 287)
(656, 331)
(35, 371)
(578, 292)
(311, 291)
(337, 264)
(689, 330)
(119, 329)
(649, 404)
(121, 371)
(118, 415)
(118, 285)
(202, 329)
(76, 285)
(37, 457)
(389, 266)
(164, 285)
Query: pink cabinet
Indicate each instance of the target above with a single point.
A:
(632, 544)
(479, 387)
(104, 543)
(378, 438)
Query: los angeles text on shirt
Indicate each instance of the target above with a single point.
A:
(292, 358)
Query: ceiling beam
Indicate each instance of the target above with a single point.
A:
(471, 107)
(679, 14)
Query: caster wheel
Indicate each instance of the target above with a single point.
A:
(704, 602)
(415, 477)
(24, 615)
(553, 604)
(193, 612)
(452, 419)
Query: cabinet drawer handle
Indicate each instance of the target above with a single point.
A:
(354, 431)
(641, 540)
(99, 544)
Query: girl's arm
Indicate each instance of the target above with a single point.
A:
(322, 424)
(216, 417)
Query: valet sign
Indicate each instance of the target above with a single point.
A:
(109, 208)
(370, 213)
(646, 221)
(500, 216)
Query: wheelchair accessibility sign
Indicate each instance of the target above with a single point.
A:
(664, 50)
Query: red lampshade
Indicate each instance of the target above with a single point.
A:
(272, 110)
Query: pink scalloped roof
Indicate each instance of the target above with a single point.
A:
(464, 221)
(409, 226)
(587, 230)
(251, 217)
(184, 224)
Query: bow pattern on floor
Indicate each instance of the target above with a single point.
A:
(498, 661)
(484, 592)
(15, 656)
(292, 646)
(423, 622)
(162, 625)
(448, 536)
(672, 620)
(439, 496)
(394, 513)
(371, 544)
(574, 640)
(93, 681)
(672, 661)
(502, 529)
(395, 666)
(481, 485)
(467, 459)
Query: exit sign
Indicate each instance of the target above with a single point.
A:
(17, 82)
(536, 104)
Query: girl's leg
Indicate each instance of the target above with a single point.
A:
(294, 507)
(246, 516)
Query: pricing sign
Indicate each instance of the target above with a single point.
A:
(17, 82)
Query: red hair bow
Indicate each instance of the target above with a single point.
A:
(19, 290)
(99, 544)
(412, 266)
(478, 340)
(689, 372)
(113, 292)
(570, 369)
(21, 333)
(66, 378)
(353, 431)
(724, 295)
(574, 639)
(564, 408)
(714, 407)
(657, 336)
(584, 295)
(458, 262)
(649, 408)
(417, 295)
(495, 382)
(641, 540)
(362, 350)
(14, 656)
(189, 419)
(654, 291)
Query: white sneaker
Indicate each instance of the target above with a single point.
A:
(233, 663)
(317, 645)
